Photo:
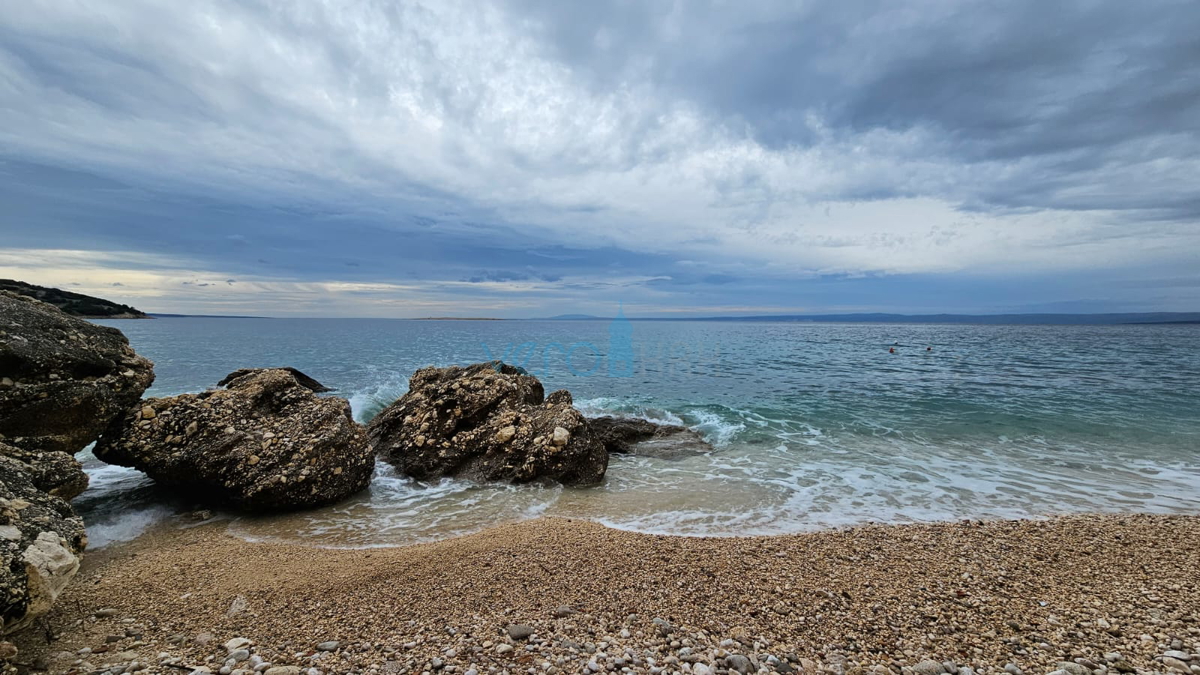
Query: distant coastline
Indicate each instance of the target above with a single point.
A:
(1107, 319)
(159, 315)
(1136, 319)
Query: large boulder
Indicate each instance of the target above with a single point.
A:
(41, 544)
(62, 379)
(264, 443)
(487, 422)
(55, 473)
(635, 436)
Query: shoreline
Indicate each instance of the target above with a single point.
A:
(984, 595)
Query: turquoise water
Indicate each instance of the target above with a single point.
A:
(813, 425)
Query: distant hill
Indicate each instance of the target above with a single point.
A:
(158, 315)
(75, 304)
(1026, 319)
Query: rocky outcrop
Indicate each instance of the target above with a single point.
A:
(55, 473)
(74, 304)
(62, 379)
(631, 435)
(487, 422)
(41, 542)
(304, 380)
(264, 443)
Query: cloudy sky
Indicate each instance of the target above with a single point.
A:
(526, 158)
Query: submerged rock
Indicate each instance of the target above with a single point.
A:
(267, 442)
(41, 542)
(631, 435)
(63, 378)
(487, 422)
(55, 473)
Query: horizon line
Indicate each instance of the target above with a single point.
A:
(829, 317)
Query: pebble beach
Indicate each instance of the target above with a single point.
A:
(1082, 595)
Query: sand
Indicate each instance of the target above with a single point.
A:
(1115, 593)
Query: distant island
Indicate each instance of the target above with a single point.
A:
(75, 304)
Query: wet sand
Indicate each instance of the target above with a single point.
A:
(969, 595)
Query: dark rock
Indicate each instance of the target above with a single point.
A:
(56, 473)
(265, 443)
(739, 663)
(64, 378)
(631, 435)
(41, 542)
(304, 380)
(782, 667)
(487, 422)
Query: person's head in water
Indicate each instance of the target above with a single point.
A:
(929, 349)
(891, 350)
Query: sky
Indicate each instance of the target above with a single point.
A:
(533, 158)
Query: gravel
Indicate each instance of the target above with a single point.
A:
(1081, 595)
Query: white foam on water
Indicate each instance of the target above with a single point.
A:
(369, 400)
(604, 405)
(769, 474)
(398, 510)
(714, 428)
(106, 479)
(127, 525)
(116, 507)
(600, 406)
(711, 425)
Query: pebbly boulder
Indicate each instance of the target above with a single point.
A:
(62, 379)
(304, 380)
(635, 436)
(41, 545)
(266, 442)
(52, 472)
(487, 422)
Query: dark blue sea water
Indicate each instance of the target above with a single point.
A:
(813, 425)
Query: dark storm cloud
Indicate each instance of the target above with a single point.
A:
(840, 154)
(1058, 89)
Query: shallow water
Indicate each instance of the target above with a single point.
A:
(813, 425)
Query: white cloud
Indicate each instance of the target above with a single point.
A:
(455, 109)
(166, 284)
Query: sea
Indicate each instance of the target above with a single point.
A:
(812, 425)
